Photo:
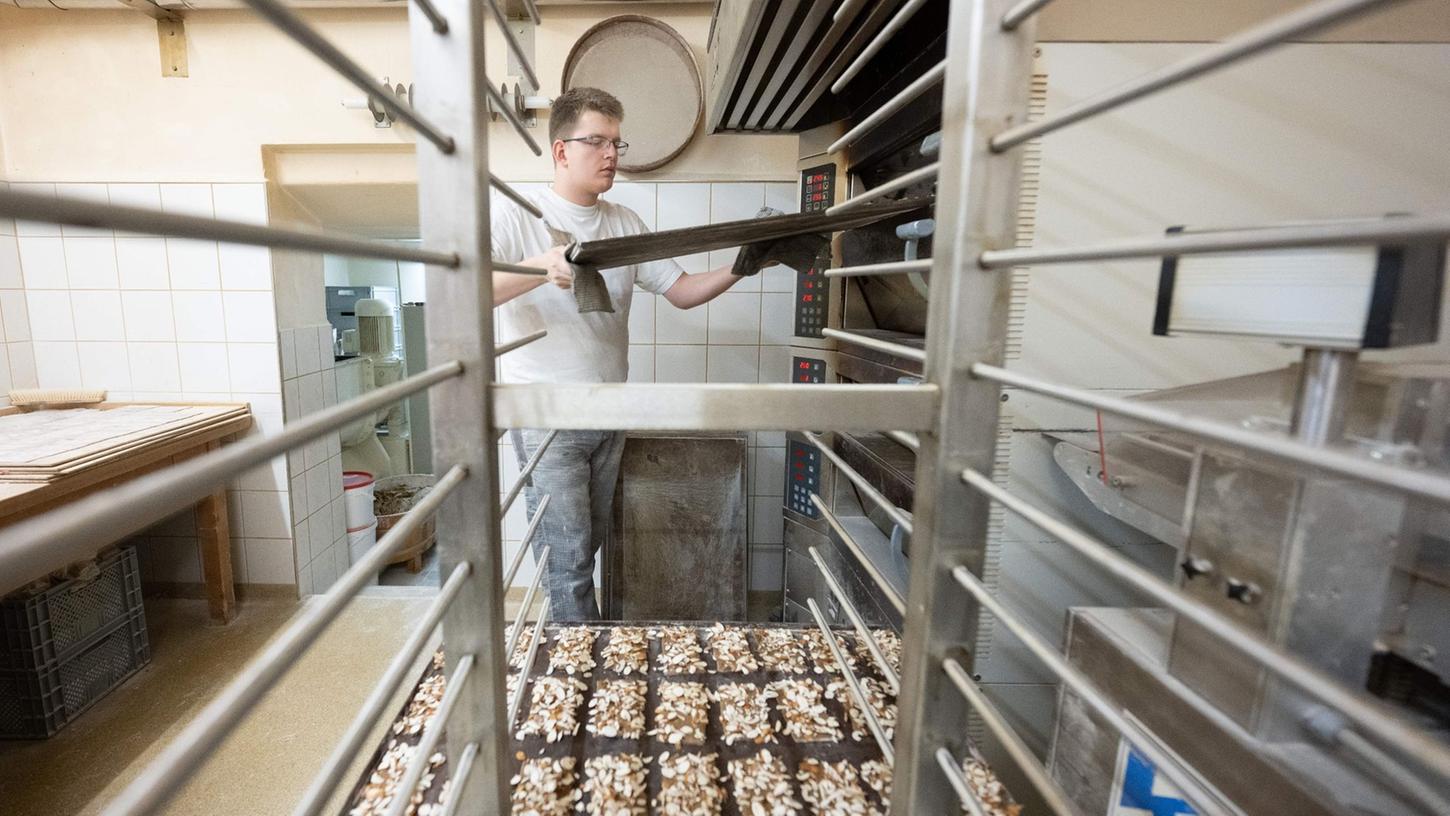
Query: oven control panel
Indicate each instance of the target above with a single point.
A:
(802, 477)
(807, 370)
(818, 188)
(812, 297)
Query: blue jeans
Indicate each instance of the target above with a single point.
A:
(578, 473)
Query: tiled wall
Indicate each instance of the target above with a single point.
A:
(17, 358)
(309, 384)
(162, 319)
(741, 336)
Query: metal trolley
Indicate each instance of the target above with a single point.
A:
(950, 420)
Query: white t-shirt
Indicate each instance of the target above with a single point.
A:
(580, 348)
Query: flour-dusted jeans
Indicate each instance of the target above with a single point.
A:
(578, 473)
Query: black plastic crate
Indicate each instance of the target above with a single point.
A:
(52, 624)
(36, 703)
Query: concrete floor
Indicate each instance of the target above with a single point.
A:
(267, 763)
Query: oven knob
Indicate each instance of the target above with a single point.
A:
(1245, 592)
(1194, 567)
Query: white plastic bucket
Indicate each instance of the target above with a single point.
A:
(357, 499)
(360, 541)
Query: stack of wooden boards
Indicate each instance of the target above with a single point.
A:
(40, 447)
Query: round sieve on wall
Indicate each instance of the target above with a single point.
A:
(652, 70)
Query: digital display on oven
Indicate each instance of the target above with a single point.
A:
(802, 477)
(807, 370)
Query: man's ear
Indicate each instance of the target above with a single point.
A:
(557, 149)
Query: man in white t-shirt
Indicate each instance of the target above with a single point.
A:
(579, 469)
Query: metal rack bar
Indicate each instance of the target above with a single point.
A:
(518, 625)
(77, 212)
(882, 741)
(882, 37)
(1020, 12)
(513, 195)
(508, 578)
(847, 7)
(291, 24)
(1011, 742)
(888, 268)
(1371, 757)
(958, 780)
(1395, 230)
(886, 588)
(862, 630)
(436, 19)
(533, 10)
(376, 704)
(523, 478)
(880, 345)
(183, 755)
(910, 441)
(519, 342)
(891, 510)
(1373, 719)
(1071, 676)
(506, 108)
(1300, 22)
(513, 44)
(534, 639)
(453, 210)
(31, 548)
(460, 778)
(713, 406)
(901, 182)
(1419, 483)
(919, 86)
(419, 762)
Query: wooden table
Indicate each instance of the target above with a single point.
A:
(22, 500)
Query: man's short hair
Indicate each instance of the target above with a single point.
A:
(568, 106)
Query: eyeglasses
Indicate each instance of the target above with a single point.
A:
(598, 143)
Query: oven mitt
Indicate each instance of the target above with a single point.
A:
(797, 251)
(590, 292)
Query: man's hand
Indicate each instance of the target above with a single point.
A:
(558, 270)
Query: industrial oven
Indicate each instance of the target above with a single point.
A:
(1286, 660)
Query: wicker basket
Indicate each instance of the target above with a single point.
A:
(421, 539)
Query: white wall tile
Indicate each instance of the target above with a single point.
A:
(297, 496)
(301, 541)
(322, 335)
(678, 326)
(240, 202)
(329, 388)
(35, 227)
(254, 367)
(287, 348)
(199, 317)
(22, 365)
(238, 546)
(778, 278)
(767, 521)
(319, 490)
(734, 319)
(203, 366)
(291, 402)
(638, 196)
(57, 365)
(265, 514)
(738, 364)
(270, 476)
(51, 318)
(98, 315)
(641, 364)
(245, 267)
(783, 196)
(90, 263)
(187, 199)
(339, 516)
(154, 367)
(308, 355)
(735, 200)
(10, 277)
(304, 581)
(777, 319)
(104, 365)
(250, 317)
(5, 383)
(775, 364)
(769, 478)
(15, 313)
(682, 205)
(766, 568)
(42, 262)
(148, 316)
(270, 561)
(193, 264)
(679, 364)
(309, 393)
(141, 263)
(319, 534)
(642, 317)
(136, 195)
